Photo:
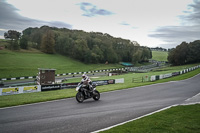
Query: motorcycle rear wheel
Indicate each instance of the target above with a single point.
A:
(96, 96)
(80, 97)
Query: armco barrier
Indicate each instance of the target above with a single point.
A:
(175, 73)
(119, 80)
(153, 78)
(157, 77)
(17, 78)
(64, 74)
(167, 75)
(161, 77)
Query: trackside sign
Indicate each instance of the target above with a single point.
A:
(19, 90)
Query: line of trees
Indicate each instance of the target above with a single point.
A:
(158, 49)
(92, 47)
(185, 53)
(16, 40)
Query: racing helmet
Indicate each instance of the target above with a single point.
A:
(84, 75)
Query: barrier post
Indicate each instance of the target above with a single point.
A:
(21, 89)
(39, 88)
(0, 91)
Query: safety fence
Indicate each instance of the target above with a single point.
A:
(65, 74)
(163, 76)
(39, 88)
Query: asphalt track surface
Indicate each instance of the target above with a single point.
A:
(68, 116)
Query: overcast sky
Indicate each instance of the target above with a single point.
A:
(163, 23)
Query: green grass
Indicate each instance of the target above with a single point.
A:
(180, 119)
(128, 77)
(20, 99)
(27, 98)
(159, 55)
(26, 63)
(3, 42)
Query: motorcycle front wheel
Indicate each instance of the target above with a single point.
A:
(96, 95)
(80, 97)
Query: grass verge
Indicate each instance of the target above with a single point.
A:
(180, 119)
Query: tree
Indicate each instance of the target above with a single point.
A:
(97, 54)
(80, 49)
(178, 56)
(185, 53)
(24, 42)
(181, 54)
(137, 56)
(14, 36)
(48, 42)
(92, 47)
(171, 56)
(193, 52)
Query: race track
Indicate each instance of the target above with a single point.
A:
(68, 116)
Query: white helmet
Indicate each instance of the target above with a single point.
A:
(84, 75)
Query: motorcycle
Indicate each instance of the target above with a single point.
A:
(84, 93)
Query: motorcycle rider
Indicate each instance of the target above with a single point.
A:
(85, 78)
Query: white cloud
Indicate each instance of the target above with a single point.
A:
(129, 19)
(3, 30)
(188, 30)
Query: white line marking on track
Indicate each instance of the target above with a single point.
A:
(192, 97)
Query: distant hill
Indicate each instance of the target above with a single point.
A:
(159, 55)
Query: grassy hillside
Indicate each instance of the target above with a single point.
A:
(159, 55)
(26, 63)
